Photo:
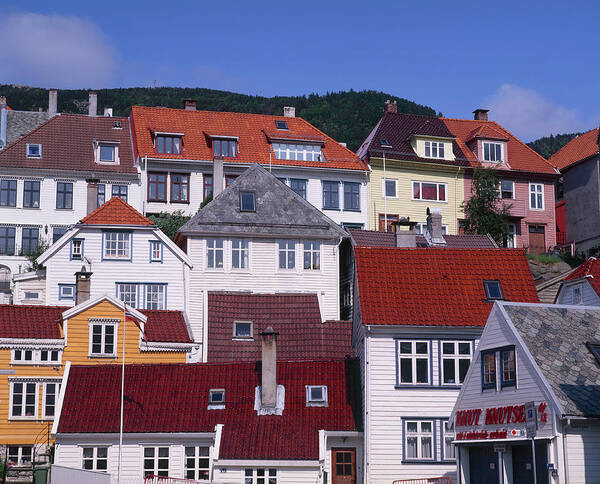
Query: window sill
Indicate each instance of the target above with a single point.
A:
(20, 419)
(336, 209)
(352, 210)
(183, 202)
(112, 357)
(241, 338)
(423, 461)
(428, 201)
(150, 200)
(32, 208)
(156, 261)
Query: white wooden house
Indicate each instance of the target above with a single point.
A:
(582, 285)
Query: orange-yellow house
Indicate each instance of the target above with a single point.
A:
(37, 341)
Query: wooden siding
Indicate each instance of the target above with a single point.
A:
(404, 205)
(31, 285)
(589, 297)
(583, 447)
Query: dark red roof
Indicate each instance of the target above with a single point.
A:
(590, 269)
(374, 238)
(166, 326)
(296, 317)
(442, 287)
(68, 144)
(30, 322)
(579, 148)
(174, 398)
(116, 212)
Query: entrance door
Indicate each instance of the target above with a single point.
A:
(537, 239)
(483, 465)
(523, 464)
(343, 466)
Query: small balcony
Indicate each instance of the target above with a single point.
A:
(518, 207)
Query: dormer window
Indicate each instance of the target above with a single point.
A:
(242, 329)
(297, 151)
(34, 150)
(281, 124)
(225, 148)
(107, 152)
(168, 144)
(434, 149)
(316, 395)
(216, 399)
(247, 202)
(492, 152)
(493, 290)
(594, 347)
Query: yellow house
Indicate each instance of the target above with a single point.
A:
(37, 341)
(416, 163)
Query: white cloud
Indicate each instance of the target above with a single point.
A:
(54, 51)
(529, 115)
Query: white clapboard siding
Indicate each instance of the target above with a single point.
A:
(285, 475)
(105, 274)
(583, 447)
(340, 443)
(589, 297)
(262, 276)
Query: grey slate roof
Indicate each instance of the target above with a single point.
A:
(556, 337)
(280, 212)
(19, 123)
(374, 238)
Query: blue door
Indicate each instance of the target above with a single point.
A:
(523, 463)
(483, 465)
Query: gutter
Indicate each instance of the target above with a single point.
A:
(61, 397)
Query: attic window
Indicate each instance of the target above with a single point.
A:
(385, 143)
(107, 153)
(170, 144)
(493, 290)
(34, 150)
(247, 202)
(594, 347)
(281, 124)
(216, 398)
(316, 395)
(242, 329)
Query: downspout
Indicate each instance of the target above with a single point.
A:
(384, 197)
(367, 440)
(185, 294)
(3, 124)
(456, 199)
(565, 453)
(205, 325)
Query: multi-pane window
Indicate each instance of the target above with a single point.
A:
(300, 152)
(168, 144)
(76, 249)
(208, 186)
(8, 193)
(20, 455)
(31, 194)
(576, 291)
(488, 362)
(242, 329)
(156, 461)
(418, 440)
(64, 195)
(344, 468)
(155, 296)
(128, 294)
(101, 197)
(197, 463)
(180, 188)
(536, 196)
(351, 196)
(30, 240)
(421, 229)
(492, 152)
(102, 338)
(157, 187)
(66, 291)
(49, 356)
(30, 356)
(449, 449)
(507, 360)
(429, 191)
(389, 188)
(23, 399)
(214, 253)
(260, 476)
(108, 153)
(413, 362)
(51, 390)
(287, 254)
(156, 251)
(117, 245)
(34, 150)
(316, 395)
(120, 191)
(299, 186)
(225, 147)
(95, 459)
(57, 233)
(239, 253)
(434, 149)
(331, 196)
(511, 239)
(247, 201)
(22, 356)
(507, 189)
(312, 255)
(456, 358)
(7, 240)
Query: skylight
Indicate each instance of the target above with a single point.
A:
(385, 143)
(34, 150)
(281, 124)
(493, 290)
(216, 398)
(316, 395)
(247, 201)
(242, 329)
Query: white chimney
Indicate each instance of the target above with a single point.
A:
(52, 102)
(289, 111)
(3, 118)
(93, 104)
(434, 226)
(218, 178)
(268, 389)
(108, 112)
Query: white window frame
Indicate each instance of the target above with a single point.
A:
(107, 144)
(384, 190)
(437, 191)
(158, 299)
(494, 144)
(29, 155)
(421, 227)
(62, 295)
(36, 356)
(456, 357)
(21, 352)
(24, 382)
(36, 298)
(307, 152)
(20, 454)
(156, 457)
(77, 249)
(235, 332)
(286, 247)
(196, 469)
(537, 191)
(213, 247)
(94, 458)
(216, 405)
(312, 402)
(103, 323)
(419, 435)
(135, 292)
(512, 189)
(312, 248)
(413, 356)
(156, 251)
(56, 384)
(240, 254)
(50, 361)
(511, 240)
(447, 435)
(251, 475)
(122, 245)
(439, 147)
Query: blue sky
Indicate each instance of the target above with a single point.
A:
(533, 63)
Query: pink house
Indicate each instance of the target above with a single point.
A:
(526, 178)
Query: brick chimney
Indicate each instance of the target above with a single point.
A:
(480, 114)
(190, 104)
(390, 107)
(93, 104)
(289, 111)
(434, 227)
(268, 389)
(83, 284)
(52, 102)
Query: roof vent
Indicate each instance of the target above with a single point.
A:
(289, 111)
(108, 112)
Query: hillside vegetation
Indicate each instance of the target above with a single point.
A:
(548, 145)
(347, 116)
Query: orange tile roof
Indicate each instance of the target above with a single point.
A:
(584, 146)
(590, 269)
(252, 130)
(520, 156)
(116, 212)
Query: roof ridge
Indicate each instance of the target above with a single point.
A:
(597, 128)
(115, 200)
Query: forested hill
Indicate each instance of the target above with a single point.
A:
(548, 145)
(347, 116)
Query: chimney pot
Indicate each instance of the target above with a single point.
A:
(93, 104)
(108, 112)
(480, 114)
(390, 107)
(268, 387)
(52, 102)
(190, 104)
(289, 111)
(434, 226)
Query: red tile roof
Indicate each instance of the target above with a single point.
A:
(252, 130)
(296, 317)
(174, 398)
(116, 212)
(374, 238)
(165, 326)
(442, 287)
(584, 146)
(30, 322)
(68, 144)
(590, 269)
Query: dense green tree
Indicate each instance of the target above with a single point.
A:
(169, 223)
(548, 145)
(484, 212)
